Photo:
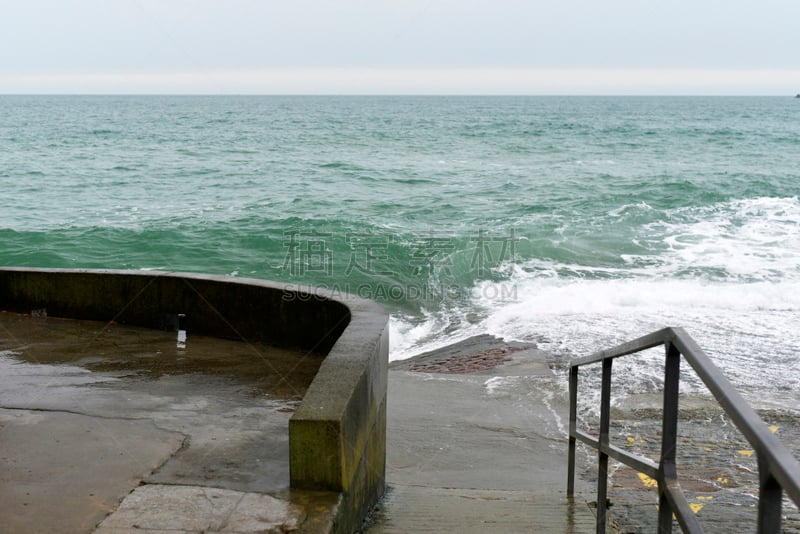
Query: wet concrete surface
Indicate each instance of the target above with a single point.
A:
(88, 411)
(479, 448)
(477, 441)
(200, 509)
(63, 472)
(96, 418)
(429, 509)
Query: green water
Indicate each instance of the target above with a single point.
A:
(569, 220)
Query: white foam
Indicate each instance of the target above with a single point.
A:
(747, 329)
(751, 239)
(729, 274)
(495, 383)
(628, 208)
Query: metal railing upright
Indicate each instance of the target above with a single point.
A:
(779, 470)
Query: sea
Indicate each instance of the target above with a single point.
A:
(576, 223)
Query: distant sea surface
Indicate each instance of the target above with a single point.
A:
(575, 222)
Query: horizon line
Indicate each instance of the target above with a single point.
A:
(359, 81)
(415, 95)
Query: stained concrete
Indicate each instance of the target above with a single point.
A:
(190, 509)
(90, 411)
(481, 451)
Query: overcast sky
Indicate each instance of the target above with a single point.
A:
(400, 46)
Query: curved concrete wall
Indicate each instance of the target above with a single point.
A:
(338, 434)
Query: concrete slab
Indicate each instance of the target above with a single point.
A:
(502, 430)
(479, 451)
(202, 509)
(65, 472)
(476, 451)
(467, 433)
(89, 410)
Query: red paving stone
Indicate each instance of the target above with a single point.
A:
(472, 363)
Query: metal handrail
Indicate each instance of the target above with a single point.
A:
(779, 470)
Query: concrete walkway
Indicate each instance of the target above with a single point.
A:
(479, 451)
(112, 428)
(116, 427)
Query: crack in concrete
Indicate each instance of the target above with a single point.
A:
(227, 519)
(515, 433)
(186, 436)
(185, 442)
(75, 412)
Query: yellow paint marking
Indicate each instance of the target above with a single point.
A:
(696, 506)
(630, 439)
(647, 481)
(709, 449)
(746, 452)
(705, 497)
(722, 480)
(773, 428)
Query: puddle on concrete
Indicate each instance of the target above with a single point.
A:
(142, 353)
(231, 401)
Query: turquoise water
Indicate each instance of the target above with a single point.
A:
(578, 222)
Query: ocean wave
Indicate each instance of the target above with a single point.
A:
(742, 326)
(728, 272)
(746, 240)
(621, 225)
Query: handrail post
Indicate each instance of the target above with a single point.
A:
(573, 418)
(605, 420)
(770, 496)
(669, 435)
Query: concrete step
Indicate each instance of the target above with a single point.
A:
(426, 509)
